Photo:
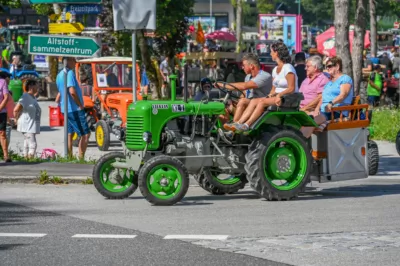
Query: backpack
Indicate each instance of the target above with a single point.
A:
(48, 154)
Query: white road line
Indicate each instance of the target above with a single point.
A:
(197, 237)
(102, 236)
(20, 235)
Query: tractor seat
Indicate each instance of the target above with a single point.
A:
(290, 102)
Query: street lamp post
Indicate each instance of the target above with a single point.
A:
(211, 16)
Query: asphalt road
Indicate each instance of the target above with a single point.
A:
(63, 240)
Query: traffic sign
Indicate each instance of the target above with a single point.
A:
(84, 9)
(59, 45)
(65, 1)
(55, 28)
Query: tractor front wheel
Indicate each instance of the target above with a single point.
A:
(279, 164)
(113, 183)
(163, 180)
(102, 135)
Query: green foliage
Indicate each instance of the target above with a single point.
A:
(44, 179)
(385, 124)
(11, 3)
(88, 181)
(43, 9)
(265, 6)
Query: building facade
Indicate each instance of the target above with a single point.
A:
(223, 15)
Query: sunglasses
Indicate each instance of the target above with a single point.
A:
(329, 66)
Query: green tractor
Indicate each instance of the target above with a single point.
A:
(166, 141)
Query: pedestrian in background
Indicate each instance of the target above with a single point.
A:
(76, 112)
(4, 97)
(28, 112)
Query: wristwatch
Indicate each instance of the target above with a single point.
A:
(331, 103)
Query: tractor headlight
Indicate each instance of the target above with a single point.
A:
(147, 137)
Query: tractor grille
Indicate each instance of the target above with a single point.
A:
(134, 131)
(114, 101)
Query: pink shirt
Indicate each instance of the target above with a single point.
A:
(3, 91)
(311, 88)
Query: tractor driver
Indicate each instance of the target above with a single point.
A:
(257, 84)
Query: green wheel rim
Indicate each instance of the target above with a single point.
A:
(164, 181)
(115, 180)
(231, 180)
(285, 163)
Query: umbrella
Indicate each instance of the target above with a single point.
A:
(222, 36)
(326, 41)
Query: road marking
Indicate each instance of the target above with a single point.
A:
(20, 235)
(197, 237)
(102, 236)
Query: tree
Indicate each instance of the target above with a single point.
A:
(342, 34)
(239, 20)
(373, 32)
(358, 42)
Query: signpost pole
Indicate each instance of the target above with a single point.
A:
(65, 109)
(134, 65)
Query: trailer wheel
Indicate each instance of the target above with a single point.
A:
(373, 158)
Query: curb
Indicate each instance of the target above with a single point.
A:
(69, 179)
(34, 179)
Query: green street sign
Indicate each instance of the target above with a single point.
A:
(65, 1)
(59, 45)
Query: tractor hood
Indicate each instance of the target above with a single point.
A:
(152, 116)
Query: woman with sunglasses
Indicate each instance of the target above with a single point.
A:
(27, 112)
(338, 91)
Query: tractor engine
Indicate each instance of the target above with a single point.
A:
(179, 140)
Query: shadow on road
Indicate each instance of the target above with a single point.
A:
(115, 143)
(359, 191)
(47, 129)
(14, 215)
(389, 164)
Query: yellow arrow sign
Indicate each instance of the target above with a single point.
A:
(56, 28)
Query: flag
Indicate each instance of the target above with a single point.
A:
(200, 34)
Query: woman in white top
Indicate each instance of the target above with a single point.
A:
(284, 81)
(27, 112)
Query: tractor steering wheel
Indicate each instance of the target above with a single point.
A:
(225, 90)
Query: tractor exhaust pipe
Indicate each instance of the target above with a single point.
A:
(185, 86)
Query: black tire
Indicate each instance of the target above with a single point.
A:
(208, 183)
(398, 142)
(28, 76)
(97, 176)
(373, 158)
(149, 166)
(105, 143)
(255, 166)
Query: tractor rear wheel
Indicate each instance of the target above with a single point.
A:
(279, 164)
(211, 181)
(163, 180)
(373, 158)
(398, 142)
(113, 183)
(102, 135)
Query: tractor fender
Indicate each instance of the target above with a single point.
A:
(295, 119)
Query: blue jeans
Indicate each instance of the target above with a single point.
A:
(77, 123)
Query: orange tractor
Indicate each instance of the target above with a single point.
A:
(107, 88)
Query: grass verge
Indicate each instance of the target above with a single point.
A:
(385, 124)
(44, 179)
(16, 157)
